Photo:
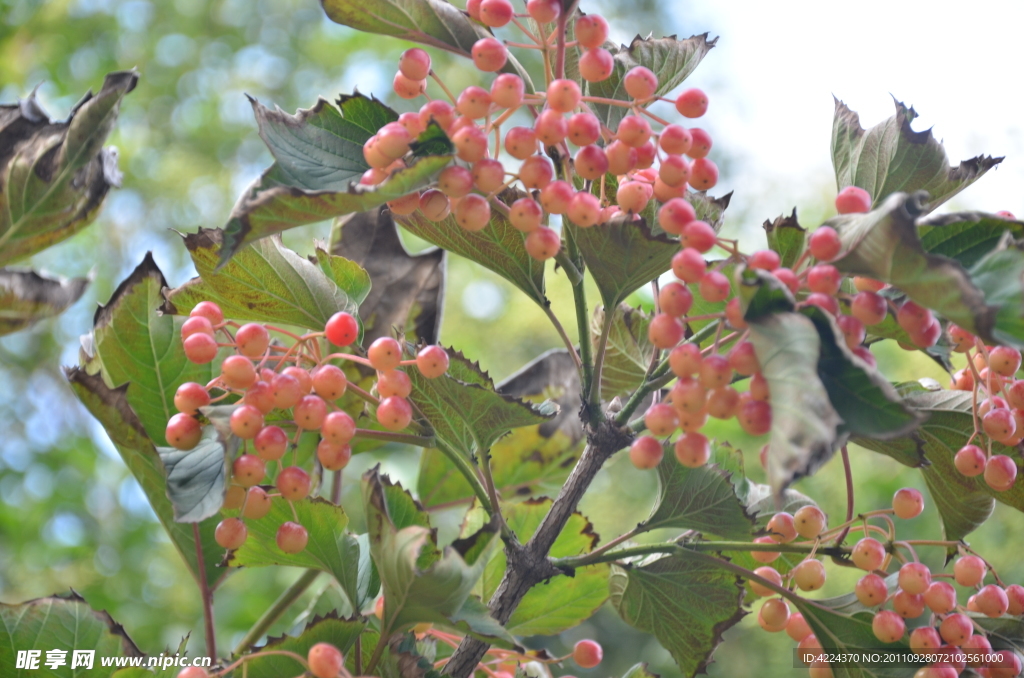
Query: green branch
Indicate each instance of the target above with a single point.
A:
(469, 473)
(699, 546)
(579, 297)
(418, 441)
(274, 612)
(594, 399)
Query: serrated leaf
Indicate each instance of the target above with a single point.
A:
(891, 157)
(429, 22)
(266, 283)
(64, 623)
(965, 236)
(465, 411)
(963, 503)
(641, 670)
(55, 175)
(686, 602)
(786, 237)
(865, 401)
(622, 255)
(319, 161)
(851, 634)
(805, 429)
(27, 297)
(135, 345)
(330, 548)
(407, 290)
(564, 602)
(420, 584)
(530, 459)
(628, 353)
(341, 633)
(197, 478)
(999, 276)
(498, 247)
(111, 409)
(884, 244)
(670, 59)
(702, 499)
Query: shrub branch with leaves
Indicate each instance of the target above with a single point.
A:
(237, 398)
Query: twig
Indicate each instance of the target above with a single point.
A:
(849, 495)
(274, 612)
(207, 594)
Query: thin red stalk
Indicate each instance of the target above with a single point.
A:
(207, 594)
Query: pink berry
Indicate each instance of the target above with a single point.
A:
(765, 556)
(701, 145)
(640, 82)
(675, 299)
(432, 361)
(692, 450)
(183, 432)
(488, 175)
(190, 396)
(956, 629)
(384, 353)
(645, 452)
(271, 443)
(208, 310)
(809, 575)
(809, 521)
(551, 127)
(868, 554)
(329, 382)
(496, 13)
(542, 243)
(871, 590)
(292, 537)
(596, 65)
(196, 325)
(888, 626)
(992, 601)
(333, 456)
(591, 31)
(587, 653)
(869, 308)
(853, 200)
(521, 142)
(394, 413)
(824, 278)
(782, 528)
(915, 578)
(908, 503)
(563, 95)
(688, 265)
(634, 131)
(246, 421)
(544, 11)
(621, 157)
(338, 428)
(248, 470)
(507, 90)
(489, 55)
(584, 209)
(591, 162)
(703, 174)
(773, 615)
(293, 483)
(714, 287)
(556, 196)
(674, 170)
(674, 215)
(824, 244)
(473, 212)
(699, 235)
(342, 329)
(536, 172)
(755, 417)
(692, 103)
(765, 260)
(414, 64)
(231, 533)
(665, 331)
(769, 573)
(200, 348)
(969, 571)
(940, 597)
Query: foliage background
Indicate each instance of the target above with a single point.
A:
(71, 515)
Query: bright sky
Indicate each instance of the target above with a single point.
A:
(777, 65)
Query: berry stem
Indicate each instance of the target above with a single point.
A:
(602, 347)
(563, 19)
(336, 488)
(469, 473)
(579, 299)
(276, 609)
(565, 337)
(537, 44)
(609, 102)
(441, 84)
(207, 594)
(492, 492)
(849, 495)
(600, 556)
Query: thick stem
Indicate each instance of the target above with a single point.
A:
(557, 324)
(849, 495)
(378, 651)
(708, 546)
(602, 346)
(336, 488)
(207, 594)
(529, 565)
(274, 612)
(419, 441)
(579, 297)
(560, 46)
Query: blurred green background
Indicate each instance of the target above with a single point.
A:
(72, 516)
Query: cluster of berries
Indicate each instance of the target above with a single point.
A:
(277, 389)
(647, 163)
(949, 631)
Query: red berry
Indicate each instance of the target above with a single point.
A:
(992, 601)
(969, 571)
(200, 348)
(765, 556)
(908, 503)
(755, 417)
(824, 244)
(596, 65)
(645, 452)
(701, 145)
(293, 483)
(871, 590)
(742, 359)
(868, 554)
(587, 653)
(688, 265)
(342, 329)
(584, 129)
(692, 103)
(591, 31)
(432, 361)
(674, 215)
(414, 64)
(766, 260)
(621, 156)
(825, 302)
(230, 533)
(809, 575)
(325, 660)
(1015, 599)
(183, 432)
(489, 55)
(787, 278)
(769, 573)
(956, 629)
(507, 90)
(888, 626)
(246, 421)
(853, 200)
(292, 537)
(332, 456)
(208, 310)
(723, 403)
(563, 95)
(196, 325)
(869, 308)
(309, 413)
(810, 521)
(665, 331)
(940, 597)
(714, 287)
(693, 450)
(915, 578)
(640, 82)
(248, 470)
(271, 443)
(703, 174)
(495, 13)
(824, 278)
(633, 131)
(394, 413)
(661, 419)
(536, 172)
(543, 243)
(190, 396)
(257, 503)
(591, 162)
(782, 528)
(852, 329)
(773, 615)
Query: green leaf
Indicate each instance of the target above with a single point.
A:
(786, 237)
(341, 633)
(498, 247)
(865, 401)
(197, 478)
(267, 283)
(111, 408)
(684, 601)
(54, 176)
(1005, 633)
(429, 22)
(891, 157)
(465, 411)
(564, 602)
(963, 503)
(628, 353)
(530, 460)
(805, 429)
(137, 346)
(842, 634)
(298, 189)
(65, 623)
(884, 244)
(702, 499)
(640, 670)
(330, 549)
(670, 59)
(27, 297)
(965, 236)
(999, 275)
(407, 290)
(420, 584)
(346, 274)
(622, 255)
